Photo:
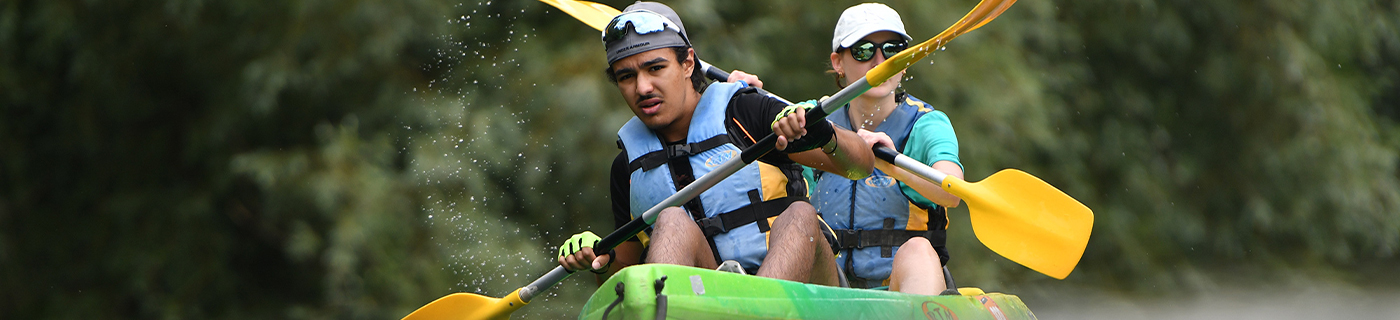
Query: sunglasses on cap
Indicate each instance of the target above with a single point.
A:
(864, 50)
(642, 21)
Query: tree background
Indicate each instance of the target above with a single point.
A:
(357, 159)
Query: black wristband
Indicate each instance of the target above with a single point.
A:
(817, 135)
(831, 143)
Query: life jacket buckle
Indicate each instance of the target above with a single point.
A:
(711, 226)
(679, 150)
(850, 238)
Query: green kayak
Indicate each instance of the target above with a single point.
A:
(692, 293)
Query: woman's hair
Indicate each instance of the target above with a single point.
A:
(840, 79)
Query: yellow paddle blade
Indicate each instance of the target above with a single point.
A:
(596, 15)
(469, 306)
(1026, 220)
(996, 12)
(980, 15)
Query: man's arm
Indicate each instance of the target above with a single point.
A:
(841, 152)
(852, 158)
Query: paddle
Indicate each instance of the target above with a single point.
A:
(473, 306)
(1016, 215)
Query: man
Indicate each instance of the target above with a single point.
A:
(759, 217)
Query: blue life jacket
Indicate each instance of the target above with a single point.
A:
(736, 213)
(872, 217)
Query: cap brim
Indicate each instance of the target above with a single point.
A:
(852, 37)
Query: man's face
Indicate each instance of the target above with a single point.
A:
(657, 87)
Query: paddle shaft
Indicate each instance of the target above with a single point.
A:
(909, 164)
(717, 74)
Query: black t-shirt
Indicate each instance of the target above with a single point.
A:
(749, 118)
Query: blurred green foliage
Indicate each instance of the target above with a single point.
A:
(357, 159)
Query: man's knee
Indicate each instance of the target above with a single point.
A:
(799, 217)
(672, 217)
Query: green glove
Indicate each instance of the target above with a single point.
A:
(805, 105)
(579, 241)
(818, 133)
(584, 240)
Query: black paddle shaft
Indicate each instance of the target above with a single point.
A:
(885, 153)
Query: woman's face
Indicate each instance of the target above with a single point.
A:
(845, 64)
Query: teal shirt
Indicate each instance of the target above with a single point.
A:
(931, 140)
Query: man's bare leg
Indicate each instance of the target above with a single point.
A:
(917, 269)
(797, 250)
(676, 239)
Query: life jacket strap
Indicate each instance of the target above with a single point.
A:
(860, 239)
(757, 211)
(654, 159)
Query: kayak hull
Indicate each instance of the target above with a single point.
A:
(693, 293)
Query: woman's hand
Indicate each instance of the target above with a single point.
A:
(873, 138)
(751, 79)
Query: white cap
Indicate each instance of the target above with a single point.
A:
(862, 20)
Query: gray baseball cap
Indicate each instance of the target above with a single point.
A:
(653, 26)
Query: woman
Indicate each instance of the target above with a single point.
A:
(889, 233)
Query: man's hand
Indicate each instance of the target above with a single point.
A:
(791, 123)
(577, 254)
(751, 79)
